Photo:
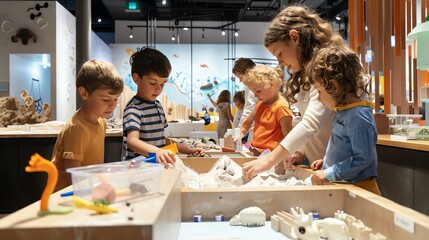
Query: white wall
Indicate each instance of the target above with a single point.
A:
(99, 49)
(13, 16)
(65, 41)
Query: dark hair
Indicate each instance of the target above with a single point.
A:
(148, 60)
(241, 65)
(339, 63)
(99, 74)
(224, 96)
(239, 97)
(313, 31)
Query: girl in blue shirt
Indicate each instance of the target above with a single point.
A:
(351, 156)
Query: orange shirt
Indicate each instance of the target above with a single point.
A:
(267, 131)
(79, 140)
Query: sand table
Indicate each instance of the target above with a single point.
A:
(227, 173)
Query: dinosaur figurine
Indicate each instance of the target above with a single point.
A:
(39, 164)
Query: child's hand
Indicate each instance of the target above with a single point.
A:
(317, 165)
(236, 138)
(253, 168)
(318, 177)
(196, 151)
(165, 157)
(293, 159)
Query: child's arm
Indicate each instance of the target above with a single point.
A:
(286, 125)
(245, 126)
(211, 100)
(183, 148)
(162, 155)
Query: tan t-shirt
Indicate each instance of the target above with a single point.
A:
(79, 140)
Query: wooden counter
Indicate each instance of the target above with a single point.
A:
(401, 142)
(156, 216)
(403, 171)
(16, 149)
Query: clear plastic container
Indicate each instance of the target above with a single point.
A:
(127, 182)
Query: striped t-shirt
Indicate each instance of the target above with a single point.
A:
(148, 118)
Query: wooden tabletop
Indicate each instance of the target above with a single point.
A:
(402, 142)
(154, 216)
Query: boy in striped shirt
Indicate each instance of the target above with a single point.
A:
(144, 117)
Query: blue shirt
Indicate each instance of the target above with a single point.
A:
(148, 118)
(351, 154)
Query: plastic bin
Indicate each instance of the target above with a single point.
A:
(127, 182)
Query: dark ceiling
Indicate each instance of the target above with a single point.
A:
(198, 10)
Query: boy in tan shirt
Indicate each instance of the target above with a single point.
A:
(81, 142)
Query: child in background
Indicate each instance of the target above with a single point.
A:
(337, 73)
(81, 141)
(240, 68)
(223, 107)
(272, 116)
(144, 117)
(239, 103)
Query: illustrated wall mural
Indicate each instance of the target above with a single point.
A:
(188, 86)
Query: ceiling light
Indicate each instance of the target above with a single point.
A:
(173, 38)
(223, 32)
(99, 20)
(131, 32)
(236, 33)
(338, 18)
(185, 28)
(164, 2)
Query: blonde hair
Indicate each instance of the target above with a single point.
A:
(313, 31)
(263, 75)
(341, 64)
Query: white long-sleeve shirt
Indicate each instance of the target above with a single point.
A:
(249, 105)
(311, 135)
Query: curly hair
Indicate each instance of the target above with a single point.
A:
(314, 32)
(264, 76)
(341, 64)
(241, 65)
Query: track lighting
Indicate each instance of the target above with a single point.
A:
(172, 37)
(99, 20)
(131, 32)
(164, 2)
(223, 32)
(202, 35)
(236, 34)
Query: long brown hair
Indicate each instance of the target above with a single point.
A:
(314, 32)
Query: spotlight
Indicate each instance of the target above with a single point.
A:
(131, 32)
(99, 20)
(223, 32)
(164, 2)
(173, 38)
(338, 18)
(185, 28)
(236, 33)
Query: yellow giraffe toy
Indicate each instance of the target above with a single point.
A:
(39, 164)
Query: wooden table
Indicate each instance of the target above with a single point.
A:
(155, 216)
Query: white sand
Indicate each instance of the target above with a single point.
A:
(227, 173)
